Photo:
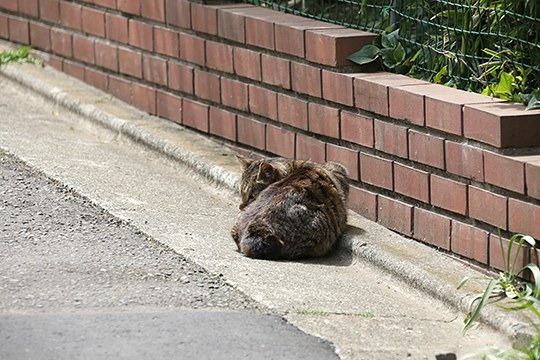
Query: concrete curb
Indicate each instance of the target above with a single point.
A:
(418, 265)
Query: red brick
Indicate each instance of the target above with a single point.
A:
(195, 115)
(470, 242)
(464, 160)
(120, 88)
(29, 7)
(207, 86)
(426, 149)
(276, 71)
(155, 70)
(247, 63)
(504, 171)
(357, 129)
(116, 28)
(168, 106)
(70, 15)
(178, 13)
(346, 157)
(61, 42)
(83, 49)
(223, 123)
(290, 36)
(337, 87)
(391, 138)
(371, 90)
(363, 202)
(11, 5)
(4, 32)
(219, 56)
(95, 78)
(40, 36)
(111, 4)
(180, 77)
(19, 30)
(251, 132)
(232, 24)
(166, 41)
(332, 46)
(49, 10)
(502, 124)
(306, 79)
(129, 6)
(524, 218)
(141, 35)
(106, 55)
(54, 61)
(192, 49)
(432, 228)
(497, 258)
(144, 98)
(324, 120)
(263, 102)
(280, 141)
(395, 215)
(153, 9)
(408, 102)
(130, 62)
(488, 207)
(444, 108)
(234, 94)
(93, 21)
(532, 175)
(411, 182)
(260, 28)
(204, 18)
(449, 194)
(73, 69)
(292, 111)
(376, 171)
(309, 148)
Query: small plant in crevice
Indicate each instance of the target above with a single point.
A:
(18, 56)
(524, 296)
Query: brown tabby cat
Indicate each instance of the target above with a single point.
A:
(291, 209)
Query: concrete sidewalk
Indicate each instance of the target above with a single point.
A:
(380, 296)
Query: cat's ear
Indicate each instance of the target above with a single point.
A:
(245, 162)
(266, 172)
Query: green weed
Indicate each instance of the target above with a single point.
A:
(18, 56)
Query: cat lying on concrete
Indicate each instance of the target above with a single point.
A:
(290, 208)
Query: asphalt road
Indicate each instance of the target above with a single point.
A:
(76, 283)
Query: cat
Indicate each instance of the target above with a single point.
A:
(298, 210)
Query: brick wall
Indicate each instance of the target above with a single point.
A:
(437, 164)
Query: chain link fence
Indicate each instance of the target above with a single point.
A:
(467, 44)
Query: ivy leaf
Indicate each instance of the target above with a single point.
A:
(393, 57)
(366, 55)
(534, 100)
(390, 40)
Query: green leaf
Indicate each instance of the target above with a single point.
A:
(473, 315)
(390, 40)
(441, 74)
(393, 57)
(366, 55)
(533, 101)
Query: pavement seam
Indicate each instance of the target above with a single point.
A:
(35, 79)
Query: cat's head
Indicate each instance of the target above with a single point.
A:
(257, 175)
